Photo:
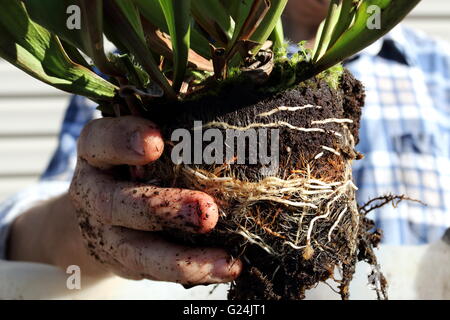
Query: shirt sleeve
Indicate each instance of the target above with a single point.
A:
(62, 165)
(56, 178)
(17, 204)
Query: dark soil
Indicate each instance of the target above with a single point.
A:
(266, 276)
(239, 105)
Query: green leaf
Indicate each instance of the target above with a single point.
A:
(87, 36)
(232, 8)
(347, 17)
(36, 51)
(178, 20)
(152, 11)
(212, 17)
(326, 29)
(200, 44)
(250, 15)
(268, 24)
(132, 16)
(74, 54)
(277, 36)
(154, 14)
(123, 27)
(358, 36)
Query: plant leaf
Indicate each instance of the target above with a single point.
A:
(161, 44)
(358, 36)
(88, 37)
(212, 17)
(268, 24)
(178, 20)
(347, 17)
(123, 28)
(36, 51)
(277, 36)
(251, 13)
(153, 13)
(326, 30)
(74, 54)
(232, 7)
(132, 15)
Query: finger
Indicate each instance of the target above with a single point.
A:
(139, 206)
(116, 141)
(149, 256)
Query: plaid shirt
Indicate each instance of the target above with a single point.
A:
(405, 137)
(405, 134)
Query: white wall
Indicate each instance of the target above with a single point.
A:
(31, 112)
(30, 116)
(432, 16)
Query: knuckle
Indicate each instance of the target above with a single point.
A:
(184, 273)
(131, 257)
(85, 133)
(73, 192)
(123, 252)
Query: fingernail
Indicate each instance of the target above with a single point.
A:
(137, 144)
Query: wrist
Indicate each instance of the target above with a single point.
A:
(66, 246)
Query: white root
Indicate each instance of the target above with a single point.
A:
(290, 109)
(331, 150)
(332, 120)
(287, 202)
(318, 156)
(336, 223)
(277, 124)
(251, 238)
(341, 190)
(293, 245)
(296, 199)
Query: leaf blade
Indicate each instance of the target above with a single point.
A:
(118, 27)
(88, 37)
(358, 36)
(34, 50)
(178, 20)
(212, 17)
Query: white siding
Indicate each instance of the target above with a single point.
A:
(432, 16)
(30, 117)
(31, 112)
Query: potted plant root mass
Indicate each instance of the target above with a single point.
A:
(269, 134)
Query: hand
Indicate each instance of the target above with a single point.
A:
(117, 217)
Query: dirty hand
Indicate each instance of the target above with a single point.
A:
(117, 218)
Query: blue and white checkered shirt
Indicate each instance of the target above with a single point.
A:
(405, 137)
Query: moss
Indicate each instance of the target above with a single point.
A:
(288, 71)
(285, 75)
(332, 76)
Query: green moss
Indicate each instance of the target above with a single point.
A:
(300, 63)
(332, 76)
(287, 73)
